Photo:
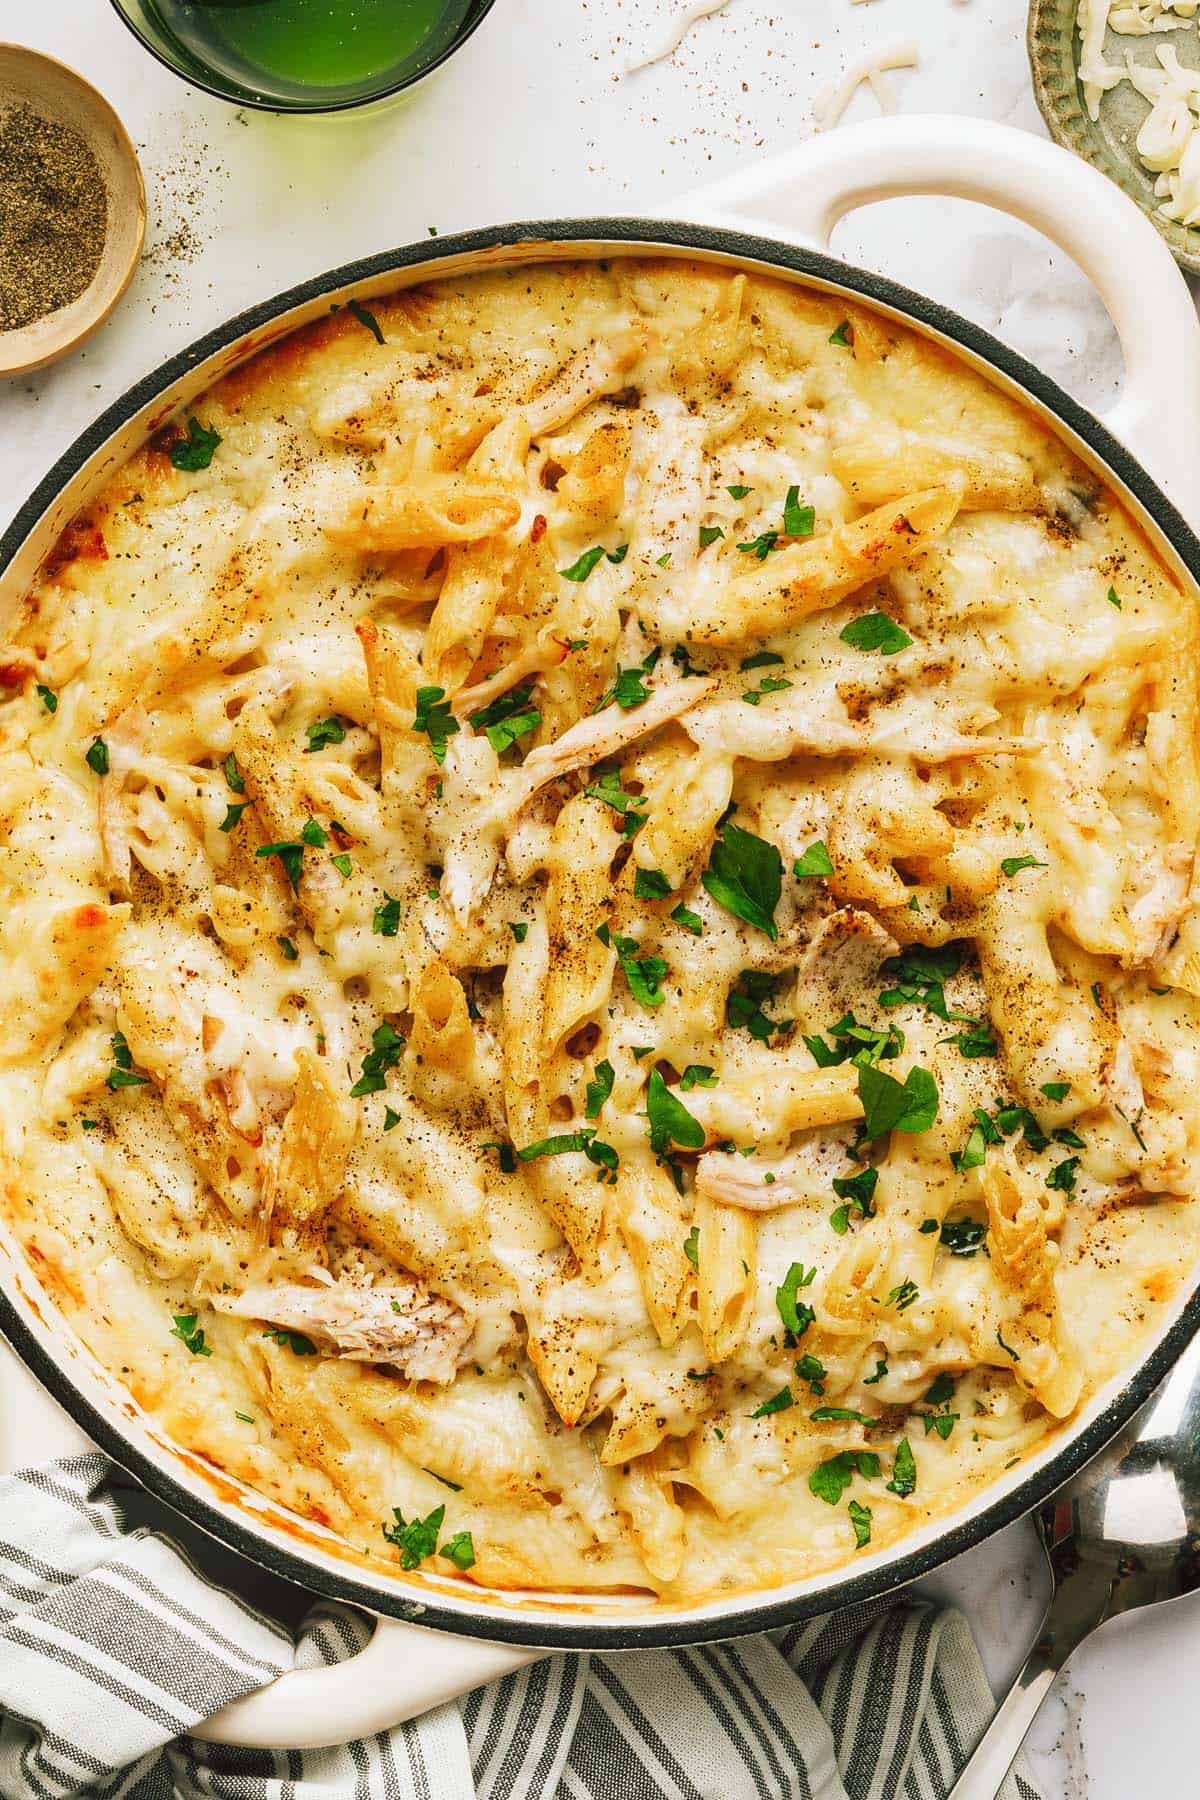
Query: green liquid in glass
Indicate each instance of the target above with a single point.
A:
(328, 51)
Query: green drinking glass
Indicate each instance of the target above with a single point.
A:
(302, 56)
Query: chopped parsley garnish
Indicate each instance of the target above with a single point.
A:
(504, 1153)
(890, 1105)
(608, 788)
(1007, 1348)
(762, 545)
(1132, 1124)
(385, 921)
(599, 1088)
(761, 659)
(291, 858)
(391, 1118)
(777, 1403)
(683, 915)
(770, 684)
(744, 1005)
(359, 311)
(507, 718)
(97, 757)
(815, 861)
(709, 535)
(643, 973)
(387, 1048)
(697, 1075)
(459, 1549)
(295, 1341)
(454, 1486)
(434, 717)
(48, 698)
(903, 1295)
(856, 1043)
(1114, 599)
(691, 1246)
(246, 1418)
(670, 1120)
(343, 865)
(581, 569)
(904, 1471)
(663, 561)
(858, 1193)
(650, 884)
(325, 731)
(881, 1370)
(738, 492)
(195, 451)
(602, 1155)
(1012, 865)
(829, 1415)
(860, 1518)
(290, 952)
(1062, 1175)
(233, 774)
(962, 1237)
(977, 1040)
(919, 974)
(233, 814)
(314, 835)
(745, 876)
(186, 1331)
(927, 1227)
(844, 335)
(830, 1479)
(519, 929)
(796, 1315)
(415, 1539)
(629, 689)
(1055, 1090)
(875, 631)
(798, 520)
(812, 1370)
(123, 1074)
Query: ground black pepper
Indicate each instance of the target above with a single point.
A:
(53, 216)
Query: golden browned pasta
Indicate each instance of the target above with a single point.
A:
(599, 929)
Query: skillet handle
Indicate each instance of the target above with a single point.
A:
(403, 1671)
(803, 193)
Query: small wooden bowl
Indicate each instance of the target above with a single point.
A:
(57, 92)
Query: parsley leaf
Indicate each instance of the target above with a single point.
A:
(1012, 865)
(291, 858)
(858, 1193)
(812, 1370)
(777, 1403)
(97, 757)
(415, 1539)
(670, 1120)
(600, 1088)
(709, 535)
(798, 520)
(844, 335)
(643, 973)
(904, 1471)
(325, 731)
(744, 1005)
(343, 865)
(122, 1074)
(295, 1341)
(195, 451)
(738, 492)
(875, 631)
(796, 1316)
(1062, 1175)
(608, 788)
(48, 697)
(387, 1047)
(185, 1330)
(1055, 1090)
(830, 1479)
(1114, 599)
(745, 876)
(507, 718)
(962, 1237)
(691, 1246)
(815, 861)
(366, 318)
(829, 1415)
(761, 659)
(762, 545)
(860, 1518)
(434, 717)
(519, 929)
(683, 915)
(460, 1550)
(233, 814)
(650, 884)
(697, 1075)
(290, 952)
(582, 568)
(889, 1105)
(385, 921)
(233, 774)
(770, 684)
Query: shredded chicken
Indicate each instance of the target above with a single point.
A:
(602, 735)
(805, 1173)
(419, 1333)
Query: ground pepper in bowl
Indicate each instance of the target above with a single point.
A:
(53, 216)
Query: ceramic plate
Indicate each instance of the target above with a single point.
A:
(1106, 142)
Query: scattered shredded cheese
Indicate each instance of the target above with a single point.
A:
(1168, 142)
(1130, 18)
(832, 102)
(691, 15)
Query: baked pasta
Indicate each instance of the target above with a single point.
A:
(600, 958)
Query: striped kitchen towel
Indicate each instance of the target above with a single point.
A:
(116, 1636)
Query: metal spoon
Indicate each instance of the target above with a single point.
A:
(1124, 1533)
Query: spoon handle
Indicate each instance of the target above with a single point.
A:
(983, 1776)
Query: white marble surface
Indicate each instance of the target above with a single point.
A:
(534, 118)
